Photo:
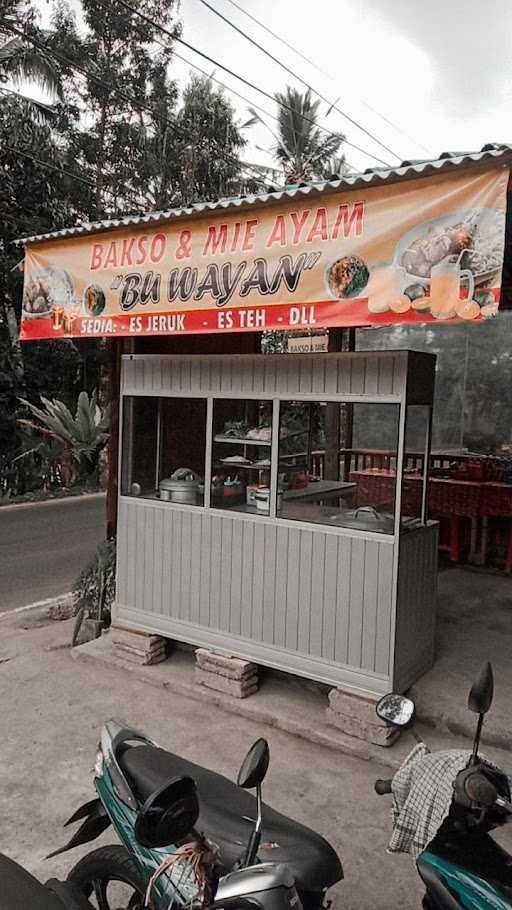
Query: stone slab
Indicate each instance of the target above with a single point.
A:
(231, 667)
(297, 710)
(355, 715)
(370, 733)
(139, 652)
(133, 638)
(235, 687)
(142, 658)
(354, 705)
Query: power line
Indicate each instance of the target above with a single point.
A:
(232, 91)
(130, 99)
(325, 73)
(51, 167)
(278, 38)
(299, 78)
(245, 81)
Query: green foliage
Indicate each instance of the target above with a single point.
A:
(53, 369)
(20, 60)
(85, 433)
(304, 151)
(119, 77)
(208, 163)
(274, 342)
(472, 408)
(95, 588)
(32, 200)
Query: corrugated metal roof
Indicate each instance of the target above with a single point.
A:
(372, 176)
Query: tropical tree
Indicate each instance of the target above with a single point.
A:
(190, 152)
(111, 72)
(35, 196)
(211, 143)
(303, 150)
(82, 435)
(22, 60)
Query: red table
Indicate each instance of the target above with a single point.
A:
(448, 499)
(496, 503)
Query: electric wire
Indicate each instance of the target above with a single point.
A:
(130, 99)
(228, 88)
(245, 81)
(287, 69)
(319, 69)
(9, 91)
(232, 91)
(46, 164)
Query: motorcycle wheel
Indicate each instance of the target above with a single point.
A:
(110, 879)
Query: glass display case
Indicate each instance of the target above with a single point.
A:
(166, 440)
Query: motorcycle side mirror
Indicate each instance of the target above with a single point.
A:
(251, 774)
(482, 690)
(168, 815)
(396, 710)
(254, 766)
(479, 701)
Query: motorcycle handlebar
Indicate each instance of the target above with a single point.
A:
(382, 787)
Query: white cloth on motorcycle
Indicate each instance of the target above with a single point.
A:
(422, 796)
(227, 816)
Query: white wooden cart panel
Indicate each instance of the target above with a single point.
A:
(215, 579)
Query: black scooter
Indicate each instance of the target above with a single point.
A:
(149, 796)
(21, 891)
(462, 867)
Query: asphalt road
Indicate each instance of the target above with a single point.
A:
(44, 546)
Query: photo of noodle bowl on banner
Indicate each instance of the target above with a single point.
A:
(428, 250)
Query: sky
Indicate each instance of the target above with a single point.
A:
(422, 76)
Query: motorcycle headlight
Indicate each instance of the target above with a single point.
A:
(98, 764)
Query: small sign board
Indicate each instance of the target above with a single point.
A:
(308, 344)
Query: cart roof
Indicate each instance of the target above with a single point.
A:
(407, 170)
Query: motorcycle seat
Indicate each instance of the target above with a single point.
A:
(19, 890)
(227, 816)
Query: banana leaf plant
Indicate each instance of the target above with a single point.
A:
(82, 435)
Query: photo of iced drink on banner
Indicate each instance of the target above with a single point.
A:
(446, 290)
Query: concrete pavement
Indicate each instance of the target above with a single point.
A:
(474, 624)
(52, 711)
(44, 546)
(53, 708)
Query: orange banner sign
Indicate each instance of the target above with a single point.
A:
(424, 250)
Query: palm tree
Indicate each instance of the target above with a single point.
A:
(304, 151)
(20, 60)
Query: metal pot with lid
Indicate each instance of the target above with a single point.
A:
(182, 486)
(366, 518)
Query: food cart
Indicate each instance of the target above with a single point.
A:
(232, 532)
